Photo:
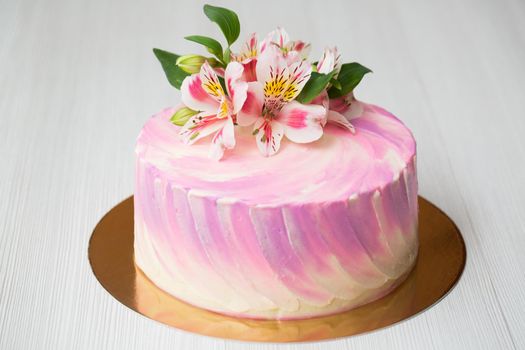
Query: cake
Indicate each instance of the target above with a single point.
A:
(271, 192)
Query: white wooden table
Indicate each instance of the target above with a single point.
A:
(78, 79)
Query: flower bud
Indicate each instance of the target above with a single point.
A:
(181, 116)
(191, 63)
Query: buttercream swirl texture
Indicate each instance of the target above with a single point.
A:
(317, 229)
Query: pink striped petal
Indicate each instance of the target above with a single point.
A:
(278, 37)
(302, 48)
(210, 82)
(194, 96)
(268, 135)
(249, 49)
(252, 108)
(219, 71)
(330, 61)
(270, 64)
(340, 120)
(199, 126)
(347, 106)
(235, 86)
(223, 139)
(327, 63)
(302, 123)
(299, 73)
(249, 73)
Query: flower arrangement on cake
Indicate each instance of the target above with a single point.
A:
(270, 86)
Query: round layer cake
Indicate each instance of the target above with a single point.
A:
(317, 229)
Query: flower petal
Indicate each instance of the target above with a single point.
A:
(340, 120)
(299, 73)
(194, 96)
(269, 64)
(235, 87)
(210, 82)
(268, 135)
(330, 61)
(252, 108)
(249, 74)
(223, 139)
(302, 123)
(278, 37)
(249, 49)
(219, 71)
(272, 72)
(327, 62)
(302, 48)
(199, 126)
(347, 106)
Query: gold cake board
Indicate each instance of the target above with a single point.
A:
(441, 260)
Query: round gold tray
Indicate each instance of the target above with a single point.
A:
(440, 263)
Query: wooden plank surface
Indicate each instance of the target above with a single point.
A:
(78, 80)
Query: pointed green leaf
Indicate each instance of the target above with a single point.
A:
(349, 77)
(314, 86)
(168, 61)
(227, 21)
(213, 46)
(335, 83)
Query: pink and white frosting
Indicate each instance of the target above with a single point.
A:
(321, 228)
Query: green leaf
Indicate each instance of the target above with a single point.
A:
(181, 116)
(213, 46)
(336, 84)
(349, 77)
(226, 19)
(314, 86)
(168, 61)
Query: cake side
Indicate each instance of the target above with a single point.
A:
(271, 238)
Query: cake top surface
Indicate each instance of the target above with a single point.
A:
(336, 167)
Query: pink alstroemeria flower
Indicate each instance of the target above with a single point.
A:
(248, 58)
(293, 51)
(217, 110)
(341, 110)
(270, 104)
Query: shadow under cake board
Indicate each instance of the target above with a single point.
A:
(440, 262)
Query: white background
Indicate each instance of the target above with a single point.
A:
(78, 79)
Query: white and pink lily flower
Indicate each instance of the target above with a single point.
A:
(342, 110)
(270, 104)
(248, 58)
(293, 51)
(203, 92)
